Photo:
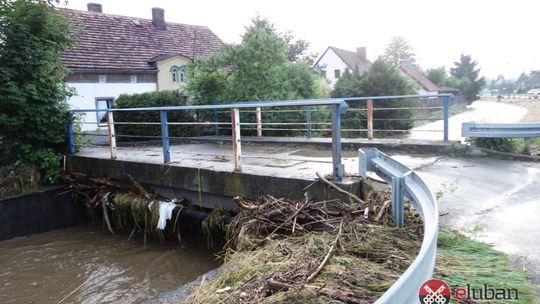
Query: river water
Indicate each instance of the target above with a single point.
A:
(86, 264)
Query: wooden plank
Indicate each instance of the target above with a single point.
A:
(370, 118)
(112, 136)
(259, 122)
(237, 147)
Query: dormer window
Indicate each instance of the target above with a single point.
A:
(178, 74)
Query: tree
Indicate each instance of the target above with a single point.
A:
(348, 85)
(266, 65)
(33, 108)
(437, 75)
(399, 52)
(262, 67)
(465, 68)
(382, 79)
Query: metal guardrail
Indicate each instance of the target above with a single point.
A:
(500, 130)
(338, 106)
(406, 183)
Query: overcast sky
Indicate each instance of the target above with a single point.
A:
(501, 35)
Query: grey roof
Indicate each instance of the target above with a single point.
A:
(351, 59)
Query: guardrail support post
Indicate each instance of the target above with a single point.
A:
(165, 137)
(370, 119)
(446, 104)
(259, 121)
(397, 201)
(112, 135)
(338, 168)
(237, 147)
(216, 120)
(308, 121)
(71, 137)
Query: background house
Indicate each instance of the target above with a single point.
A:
(120, 54)
(335, 61)
(423, 85)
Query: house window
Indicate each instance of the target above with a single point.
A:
(133, 78)
(337, 73)
(103, 103)
(178, 74)
(102, 78)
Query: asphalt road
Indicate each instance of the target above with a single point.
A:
(495, 201)
(479, 111)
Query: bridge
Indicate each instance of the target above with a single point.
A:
(221, 160)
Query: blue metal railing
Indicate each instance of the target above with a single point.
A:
(314, 125)
(338, 106)
(335, 106)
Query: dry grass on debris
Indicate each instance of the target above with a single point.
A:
(281, 250)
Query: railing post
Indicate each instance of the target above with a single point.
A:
(308, 121)
(446, 104)
(216, 120)
(237, 147)
(112, 136)
(165, 137)
(370, 119)
(338, 168)
(397, 200)
(259, 121)
(71, 136)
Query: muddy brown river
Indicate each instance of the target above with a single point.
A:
(88, 265)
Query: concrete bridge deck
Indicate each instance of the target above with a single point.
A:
(301, 163)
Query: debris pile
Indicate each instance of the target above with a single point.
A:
(306, 251)
(127, 206)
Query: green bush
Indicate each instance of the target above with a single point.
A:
(153, 99)
(48, 160)
(380, 80)
(33, 96)
(499, 144)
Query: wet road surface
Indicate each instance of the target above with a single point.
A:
(496, 201)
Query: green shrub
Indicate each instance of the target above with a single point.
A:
(48, 160)
(153, 99)
(380, 80)
(498, 144)
(33, 95)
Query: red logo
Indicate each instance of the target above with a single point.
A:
(434, 291)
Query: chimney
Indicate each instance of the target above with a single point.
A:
(94, 7)
(158, 18)
(361, 52)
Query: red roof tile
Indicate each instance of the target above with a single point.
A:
(421, 79)
(117, 42)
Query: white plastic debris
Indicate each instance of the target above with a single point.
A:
(165, 213)
(222, 290)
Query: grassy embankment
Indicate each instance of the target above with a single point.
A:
(462, 261)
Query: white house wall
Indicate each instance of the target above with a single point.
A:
(331, 62)
(87, 93)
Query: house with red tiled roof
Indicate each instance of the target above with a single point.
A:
(334, 61)
(120, 54)
(422, 84)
